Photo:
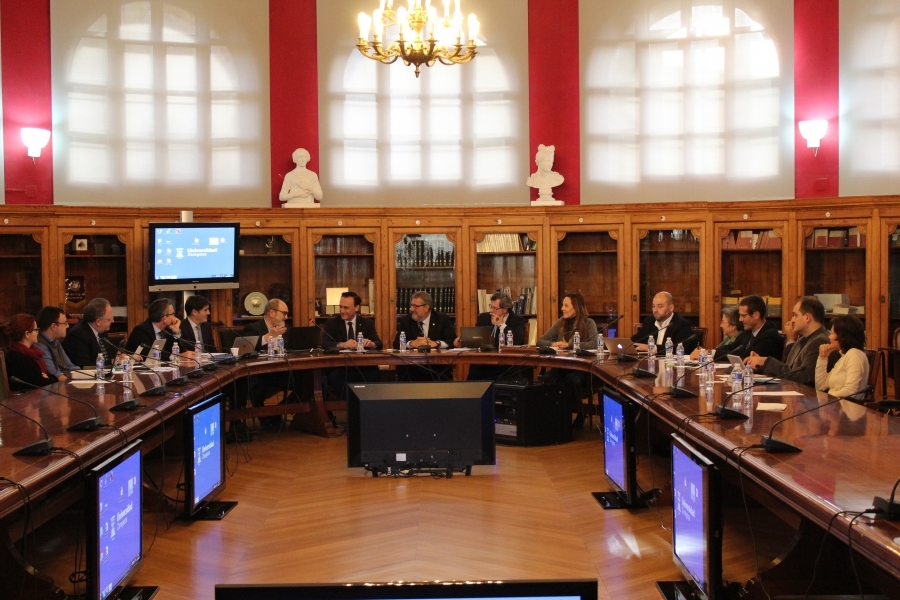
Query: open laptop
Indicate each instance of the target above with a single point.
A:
(476, 337)
(617, 346)
(141, 357)
(301, 338)
(245, 344)
(736, 363)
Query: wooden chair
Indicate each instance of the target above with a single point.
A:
(876, 386)
(701, 338)
(4, 378)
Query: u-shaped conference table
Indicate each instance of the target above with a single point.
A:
(850, 454)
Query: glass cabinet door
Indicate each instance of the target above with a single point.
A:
(266, 273)
(893, 260)
(426, 261)
(751, 263)
(96, 266)
(835, 268)
(21, 279)
(506, 262)
(344, 262)
(670, 261)
(588, 263)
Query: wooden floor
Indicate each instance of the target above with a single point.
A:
(304, 517)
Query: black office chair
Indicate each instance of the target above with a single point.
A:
(4, 378)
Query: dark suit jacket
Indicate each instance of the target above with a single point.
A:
(768, 342)
(514, 323)
(187, 334)
(334, 331)
(441, 329)
(82, 347)
(803, 356)
(679, 330)
(258, 328)
(26, 369)
(144, 334)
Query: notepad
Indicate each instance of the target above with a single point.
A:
(771, 406)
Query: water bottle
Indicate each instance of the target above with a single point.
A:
(748, 384)
(126, 370)
(651, 345)
(679, 355)
(509, 338)
(576, 341)
(270, 347)
(127, 396)
(176, 365)
(155, 356)
(670, 358)
(198, 349)
(279, 346)
(601, 347)
(360, 342)
(701, 361)
(403, 347)
(100, 367)
(737, 384)
(710, 373)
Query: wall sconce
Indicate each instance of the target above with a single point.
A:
(813, 132)
(35, 139)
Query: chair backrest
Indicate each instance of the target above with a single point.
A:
(700, 332)
(896, 339)
(226, 337)
(877, 382)
(4, 378)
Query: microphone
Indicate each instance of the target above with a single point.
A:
(198, 372)
(774, 445)
(159, 390)
(677, 392)
(329, 350)
(39, 448)
(129, 404)
(623, 356)
(87, 425)
(723, 412)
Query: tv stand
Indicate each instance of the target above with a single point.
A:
(446, 471)
(138, 592)
(614, 500)
(212, 511)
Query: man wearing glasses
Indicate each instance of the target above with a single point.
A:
(502, 321)
(161, 324)
(425, 328)
(260, 387)
(271, 325)
(51, 321)
(87, 338)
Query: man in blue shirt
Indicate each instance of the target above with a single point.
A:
(52, 323)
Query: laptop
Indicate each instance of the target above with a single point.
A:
(617, 346)
(145, 353)
(476, 337)
(736, 363)
(301, 338)
(245, 344)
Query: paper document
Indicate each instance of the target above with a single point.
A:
(771, 406)
(782, 393)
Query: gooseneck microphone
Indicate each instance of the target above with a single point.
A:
(39, 448)
(90, 424)
(773, 445)
(194, 373)
(723, 412)
(623, 356)
(677, 392)
(329, 350)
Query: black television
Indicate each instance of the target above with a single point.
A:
(114, 530)
(193, 256)
(204, 461)
(696, 525)
(446, 425)
(619, 456)
(571, 589)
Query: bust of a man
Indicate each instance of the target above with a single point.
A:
(301, 186)
(545, 178)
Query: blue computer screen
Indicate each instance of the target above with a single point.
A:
(119, 511)
(193, 252)
(614, 441)
(207, 452)
(689, 535)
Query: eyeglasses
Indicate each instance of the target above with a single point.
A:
(495, 308)
(61, 324)
(35, 330)
(284, 312)
(417, 305)
(171, 314)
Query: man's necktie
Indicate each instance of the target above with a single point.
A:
(197, 336)
(350, 335)
(421, 329)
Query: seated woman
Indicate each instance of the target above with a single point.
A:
(23, 359)
(850, 374)
(560, 336)
(731, 327)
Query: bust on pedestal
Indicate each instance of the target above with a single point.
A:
(301, 186)
(545, 178)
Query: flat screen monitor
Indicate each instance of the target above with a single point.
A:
(204, 460)
(697, 521)
(573, 589)
(447, 424)
(193, 256)
(619, 457)
(113, 518)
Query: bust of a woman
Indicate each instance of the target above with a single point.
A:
(545, 178)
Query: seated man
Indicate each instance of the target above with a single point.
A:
(340, 331)
(759, 335)
(665, 323)
(195, 327)
(502, 321)
(161, 324)
(425, 328)
(87, 338)
(260, 387)
(51, 320)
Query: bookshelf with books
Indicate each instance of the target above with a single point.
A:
(834, 266)
(670, 260)
(423, 262)
(343, 261)
(267, 271)
(751, 262)
(22, 278)
(892, 231)
(587, 262)
(507, 262)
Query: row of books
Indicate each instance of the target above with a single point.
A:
(419, 253)
(773, 303)
(443, 298)
(748, 239)
(506, 242)
(848, 237)
(524, 304)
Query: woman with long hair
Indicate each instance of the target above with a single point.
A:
(850, 375)
(24, 360)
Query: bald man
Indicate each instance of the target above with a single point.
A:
(665, 323)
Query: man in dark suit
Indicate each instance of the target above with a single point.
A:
(195, 326)
(665, 323)
(87, 338)
(760, 336)
(340, 331)
(161, 324)
(502, 321)
(425, 328)
(260, 387)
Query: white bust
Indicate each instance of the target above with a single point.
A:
(301, 186)
(545, 178)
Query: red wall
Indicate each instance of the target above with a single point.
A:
(554, 108)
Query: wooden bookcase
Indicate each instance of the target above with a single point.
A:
(587, 262)
(834, 262)
(506, 260)
(266, 266)
(751, 262)
(670, 261)
(348, 261)
(22, 278)
(892, 232)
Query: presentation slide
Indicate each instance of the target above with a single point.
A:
(120, 522)
(207, 454)
(194, 253)
(613, 441)
(689, 537)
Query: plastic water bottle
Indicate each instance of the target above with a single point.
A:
(509, 338)
(155, 356)
(601, 347)
(198, 349)
(701, 361)
(748, 384)
(279, 346)
(127, 396)
(360, 342)
(737, 384)
(176, 364)
(576, 341)
(403, 347)
(670, 358)
(679, 355)
(651, 345)
(270, 347)
(710, 373)
(100, 367)
(126, 370)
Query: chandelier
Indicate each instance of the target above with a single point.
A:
(423, 38)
